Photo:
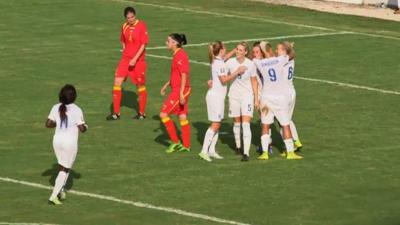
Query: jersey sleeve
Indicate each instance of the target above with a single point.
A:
(283, 60)
(79, 117)
(144, 36)
(183, 64)
(53, 114)
(122, 36)
(252, 69)
(221, 69)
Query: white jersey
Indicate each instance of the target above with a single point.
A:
(218, 68)
(289, 71)
(275, 78)
(241, 86)
(70, 128)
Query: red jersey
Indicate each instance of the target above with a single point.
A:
(180, 64)
(133, 36)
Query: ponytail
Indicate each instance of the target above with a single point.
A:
(66, 96)
(210, 53)
(180, 38)
(63, 115)
(213, 50)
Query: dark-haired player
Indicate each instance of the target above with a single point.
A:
(68, 120)
(177, 101)
(134, 39)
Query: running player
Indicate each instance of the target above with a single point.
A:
(215, 98)
(68, 120)
(243, 97)
(277, 98)
(177, 101)
(134, 39)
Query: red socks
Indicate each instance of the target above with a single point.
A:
(117, 98)
(171, 130)
(185, 126)
(142, 99)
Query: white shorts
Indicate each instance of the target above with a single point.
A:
(215, 106)
(65, 151)
(279, 106)
(241, 107)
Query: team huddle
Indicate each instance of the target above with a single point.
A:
(259, 82)
(263, 83)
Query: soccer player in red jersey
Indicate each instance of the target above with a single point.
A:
(134, 39)
(177, 101)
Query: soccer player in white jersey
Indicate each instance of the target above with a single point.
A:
(289, 71)
(68, 120)
(215, 97)
(243, 97)
(278, 98)
(261, 50)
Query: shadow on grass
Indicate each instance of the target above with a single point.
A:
(53, 172)
(129, 99)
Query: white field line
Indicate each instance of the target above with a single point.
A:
(6, 223)
(253, 19)
(227, 15)
(355, 86)
(136, 204)
(264, 38)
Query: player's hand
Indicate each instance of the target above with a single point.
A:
(210, 84)
(132, 62)
(241, 69)
(182, 99)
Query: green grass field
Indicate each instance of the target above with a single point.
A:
(350, 172)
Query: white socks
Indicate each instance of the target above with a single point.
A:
(265, 142)
(59, 183)
(208, 139)
(236, 133)
(246, 138)
(211, 150)
(294, 131)
(289, 145)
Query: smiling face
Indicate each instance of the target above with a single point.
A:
(257, 53)
(241, 52)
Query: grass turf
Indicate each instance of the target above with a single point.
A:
(349, 174)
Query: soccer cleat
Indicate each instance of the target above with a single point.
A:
(297, 145)
(182, 148)
(113, 116)
(172, 147)
(292, 155)
(283, 154)
(245, 158)
(205, 157)
(216, 156)
(140, 117)
(54, 201)
(62, 195)
(264, 156)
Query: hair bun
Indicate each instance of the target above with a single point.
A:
(183, 39)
